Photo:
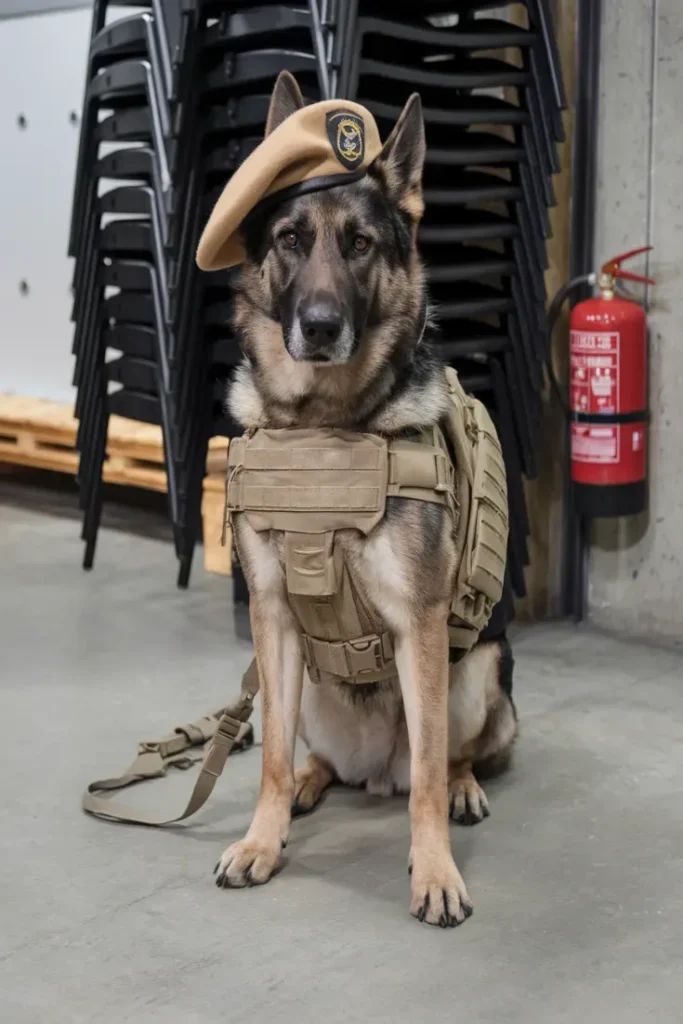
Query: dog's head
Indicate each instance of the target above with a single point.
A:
(334, 277)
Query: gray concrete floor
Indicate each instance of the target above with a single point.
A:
(576, 877)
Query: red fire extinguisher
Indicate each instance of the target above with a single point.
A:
(608, 403)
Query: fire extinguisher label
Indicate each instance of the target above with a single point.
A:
(594, 363)
(595, 372)
(595, 444)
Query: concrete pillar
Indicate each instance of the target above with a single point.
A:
(636, 564)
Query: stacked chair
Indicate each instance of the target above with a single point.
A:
(492, 99)
(177, 97)
(119, 237)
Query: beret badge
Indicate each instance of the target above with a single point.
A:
(346, 133)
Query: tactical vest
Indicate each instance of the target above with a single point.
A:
(309, 484)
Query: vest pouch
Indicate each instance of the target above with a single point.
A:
(310, 564)
(486, 548)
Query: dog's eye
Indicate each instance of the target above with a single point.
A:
(361, 243)
(290, 238)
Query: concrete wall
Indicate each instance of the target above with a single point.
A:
(636, 565)
(15, 8)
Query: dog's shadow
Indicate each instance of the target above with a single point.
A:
(354, 840)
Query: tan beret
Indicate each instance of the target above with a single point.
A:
(320, 146)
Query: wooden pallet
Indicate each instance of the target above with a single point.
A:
(217, 555)
(38, 434)
(42, 435)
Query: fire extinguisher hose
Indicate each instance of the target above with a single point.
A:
(554, 310)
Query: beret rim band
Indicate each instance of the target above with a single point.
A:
(302, 188)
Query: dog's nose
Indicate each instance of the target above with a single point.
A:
(321, 324)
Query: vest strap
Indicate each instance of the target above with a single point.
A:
(368, 659)
(220, 733)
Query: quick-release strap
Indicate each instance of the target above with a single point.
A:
(366, 659)
(223, 730)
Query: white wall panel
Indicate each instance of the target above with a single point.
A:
(42, 72)
(16, 8)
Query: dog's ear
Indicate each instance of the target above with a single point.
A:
(286, 100)
(399, 165)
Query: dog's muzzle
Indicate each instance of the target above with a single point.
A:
(320, 334)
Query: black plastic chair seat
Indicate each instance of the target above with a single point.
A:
(238, 114)
(125, 37)
(137, 307)
(121, 83)
(458, 109)
(260, 28)
(423, 41)
(135, 405)
(207, 9)
(225, 159)
(256, 70)
(475, 148)
(130, 124)
(480, 232)
(135, 340)
(472, 187)
(134, 373)
(469, 299)
(464, 337)
(129, 275)
(429, 8)
(138, 199)
(473, 73)
(120, 236)
(466, 262)
(463, 225)
(129, 163)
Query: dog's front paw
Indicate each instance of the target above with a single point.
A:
(467, 804)
(438, 894)
(249, 862)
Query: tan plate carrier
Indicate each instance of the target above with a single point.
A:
(309, 484)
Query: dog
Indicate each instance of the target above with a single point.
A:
(332, 311)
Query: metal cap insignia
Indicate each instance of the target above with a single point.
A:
(346, 133)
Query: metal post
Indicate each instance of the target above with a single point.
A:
(581, 261)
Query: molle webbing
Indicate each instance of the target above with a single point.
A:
(314, 481)
(482, 533)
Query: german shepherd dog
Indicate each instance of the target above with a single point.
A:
(331, 307)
